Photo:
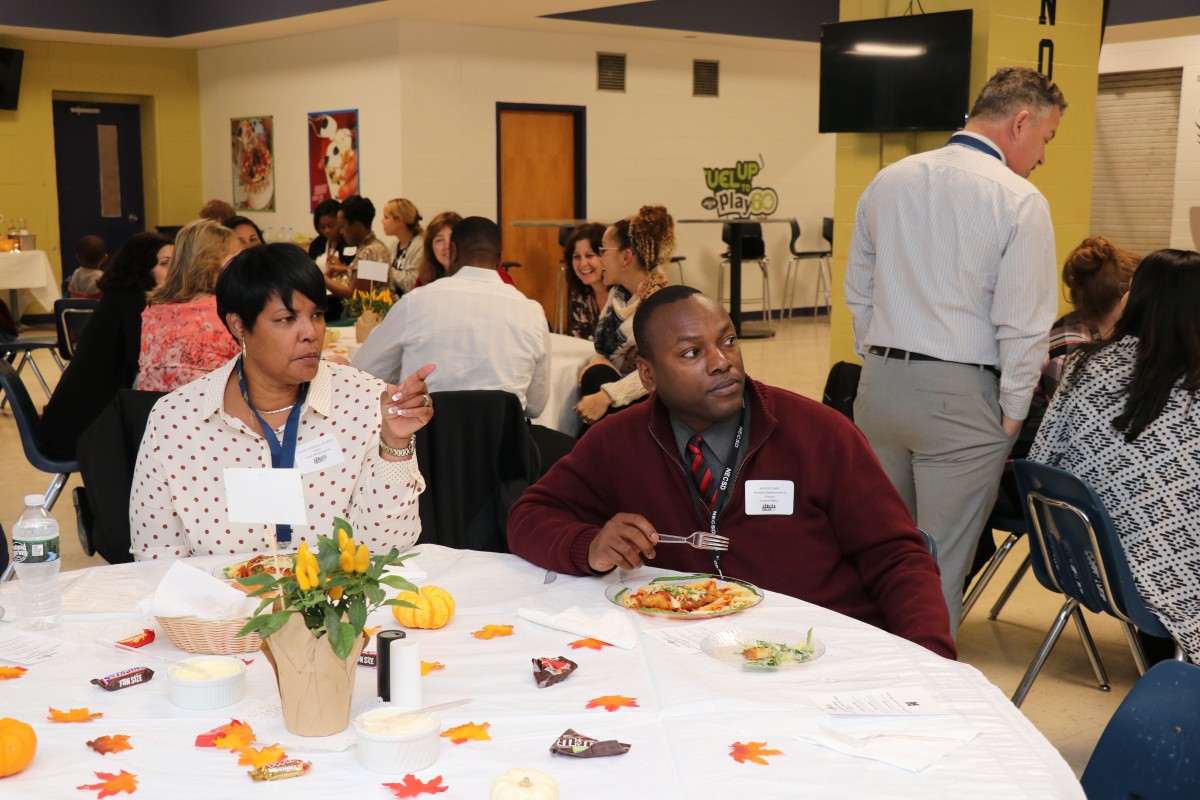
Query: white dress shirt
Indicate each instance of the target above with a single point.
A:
(481, 333)
(953, 257)
(178, 505)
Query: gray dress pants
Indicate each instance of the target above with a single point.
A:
(935, 428)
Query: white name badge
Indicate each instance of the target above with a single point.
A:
(372, 271)
(320, 453)
(273, 496)
(769, 497)
(349, 252)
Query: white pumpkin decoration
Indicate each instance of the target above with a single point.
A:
(524, 784)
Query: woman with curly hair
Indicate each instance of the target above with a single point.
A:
(632, 253)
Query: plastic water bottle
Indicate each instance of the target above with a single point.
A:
(36, 555)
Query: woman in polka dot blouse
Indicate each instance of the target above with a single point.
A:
(352, 434)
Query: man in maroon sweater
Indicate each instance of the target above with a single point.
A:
(793, 484)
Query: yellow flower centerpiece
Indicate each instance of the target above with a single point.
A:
(311, 623)
(368, 309)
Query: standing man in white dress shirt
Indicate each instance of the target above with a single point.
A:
(481, 332)
(951, 279)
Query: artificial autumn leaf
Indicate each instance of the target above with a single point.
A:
(261, 756)
(612, 702)
(110, 744)
(411, 786)
(593, 644)
(74, 715)
(371, 631)
(9, 673)
(236, 736)
(751, 751)
(461, 733)
(113, 784)
(429, 666)
(209, 739)
(492, 631)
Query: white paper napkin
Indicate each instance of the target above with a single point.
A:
(612, 626)
(910, 743)
(189, 592)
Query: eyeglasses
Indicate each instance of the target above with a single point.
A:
(603, 249)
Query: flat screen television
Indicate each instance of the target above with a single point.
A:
(10, 77)
(907, 73)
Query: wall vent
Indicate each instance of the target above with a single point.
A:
(706, 78)
(610, 72)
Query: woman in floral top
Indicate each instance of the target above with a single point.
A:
(182, 336)
(586, 291)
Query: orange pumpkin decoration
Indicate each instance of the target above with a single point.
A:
(434, 608)
(18, 743)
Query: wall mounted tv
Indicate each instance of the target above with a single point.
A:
(908, 73)
(10, 77)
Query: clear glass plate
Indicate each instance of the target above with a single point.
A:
(728, 646)
(749, 594)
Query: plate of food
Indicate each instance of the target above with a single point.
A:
(685, 596)
(264, 563)
(763, 649)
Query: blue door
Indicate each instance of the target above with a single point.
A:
(98, 153)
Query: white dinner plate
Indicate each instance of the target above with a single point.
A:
(619, 593)
(728, 645)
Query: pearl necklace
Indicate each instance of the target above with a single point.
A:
(279, 410)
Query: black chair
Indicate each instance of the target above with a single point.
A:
(678, 261)
(824, 268)
(1007, 519)
(753, 249)
(70, 317)
(107, 454)
(25, 347)
(26, 417)
(841, 387)
(478, 456)
(1151, 747)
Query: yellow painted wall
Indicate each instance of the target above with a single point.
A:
(162, 81)
(1005, 33)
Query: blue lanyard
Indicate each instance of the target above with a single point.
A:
(283, 454)
(972, 142)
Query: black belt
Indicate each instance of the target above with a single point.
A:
(896, 352)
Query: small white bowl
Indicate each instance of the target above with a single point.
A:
(411, 744)
(206, 682)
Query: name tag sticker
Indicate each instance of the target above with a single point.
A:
(349, 252)
(320, 453)
(273, 496)
(770, 497)
(372, 271)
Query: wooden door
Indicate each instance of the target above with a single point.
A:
(537, 180)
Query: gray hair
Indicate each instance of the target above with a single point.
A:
(1015, 89)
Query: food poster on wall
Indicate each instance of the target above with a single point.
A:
(332, 155)
(253, 163)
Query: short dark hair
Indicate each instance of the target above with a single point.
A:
(259, 273)
(91, 250)
(131, 267)
(476, 235)
(358, 209)
(1013, 89)
(646, 311)
(325, 208)
(233, 222)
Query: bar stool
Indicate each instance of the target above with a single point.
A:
(824, 269)
(678, 260)
(753, 250)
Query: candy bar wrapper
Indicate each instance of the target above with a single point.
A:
(573, 743)
(549, 671)
(368, 659)
(138, 639)
(124, 679)
(292, 768)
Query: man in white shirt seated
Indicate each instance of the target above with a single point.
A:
(481, 332)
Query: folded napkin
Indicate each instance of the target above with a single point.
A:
(189, 592)
(910, 743)
(611, 626)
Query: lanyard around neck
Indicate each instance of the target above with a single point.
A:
(725, 486)
(976, 144)
(283, 454)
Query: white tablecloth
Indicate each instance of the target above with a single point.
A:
(30, 270)
(568, 356)
(344, 344)
(690, 708)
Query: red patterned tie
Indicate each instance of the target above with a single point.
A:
(701, 473)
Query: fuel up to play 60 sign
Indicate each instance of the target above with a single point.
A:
(734, 194)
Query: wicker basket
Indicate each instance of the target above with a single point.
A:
(210, 636)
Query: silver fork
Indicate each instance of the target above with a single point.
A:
(699, 540)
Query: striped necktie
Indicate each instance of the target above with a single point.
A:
(701, 472)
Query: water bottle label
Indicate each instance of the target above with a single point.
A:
(35, 552)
